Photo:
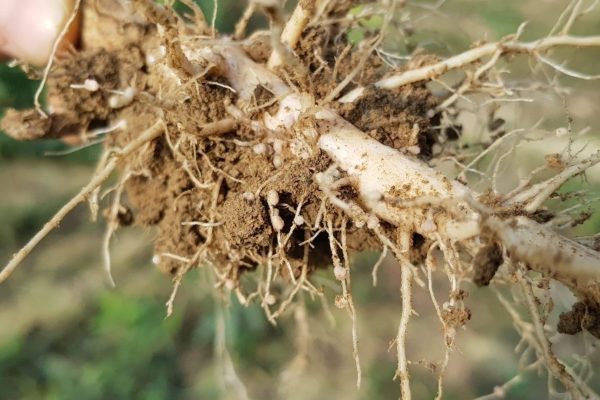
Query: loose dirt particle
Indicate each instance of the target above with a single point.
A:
(555, 162)
(456, 317)
(486, 263)
(582, 316)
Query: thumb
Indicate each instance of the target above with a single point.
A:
(28, 28)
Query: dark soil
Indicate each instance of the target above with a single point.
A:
(582, 316)
(486, 263)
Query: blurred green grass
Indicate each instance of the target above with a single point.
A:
(65, 335)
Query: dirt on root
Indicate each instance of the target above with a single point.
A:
(75, 109)
(399, 118)
(210, 197)
(581, 316)
(456, 316)
(485, 264)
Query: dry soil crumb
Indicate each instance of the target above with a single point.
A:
(456, 317)
(486, 263)
(555, 161)
(582, 316)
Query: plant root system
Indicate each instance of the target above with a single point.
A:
(268, 157)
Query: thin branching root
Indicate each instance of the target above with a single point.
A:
(269, 156)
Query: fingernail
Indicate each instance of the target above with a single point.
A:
(28, 28)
